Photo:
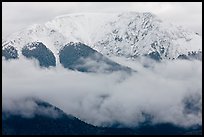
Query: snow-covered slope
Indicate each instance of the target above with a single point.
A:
(128, 34)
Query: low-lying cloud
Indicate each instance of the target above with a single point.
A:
(159, 90)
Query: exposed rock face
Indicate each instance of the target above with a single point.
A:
(78, 56)
(40, 52)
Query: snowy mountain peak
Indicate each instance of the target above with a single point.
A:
(129, 34)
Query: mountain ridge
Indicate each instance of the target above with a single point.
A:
(129, 34)
(64, 124)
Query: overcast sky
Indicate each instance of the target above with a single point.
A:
(17, 15)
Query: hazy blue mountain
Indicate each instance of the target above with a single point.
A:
(191, 56)
(154, 55)
(9, 52)
(13, 124)
(40, 52)
(63, 124)
(78, 56)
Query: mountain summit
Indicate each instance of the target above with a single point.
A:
(128, 34)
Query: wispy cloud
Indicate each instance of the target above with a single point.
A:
(102, 99)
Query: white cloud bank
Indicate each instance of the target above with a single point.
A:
(102, 99)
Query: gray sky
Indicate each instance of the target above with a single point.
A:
(17, 15)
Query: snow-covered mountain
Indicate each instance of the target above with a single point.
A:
(128, 34)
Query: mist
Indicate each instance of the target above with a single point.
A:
(158, 90)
